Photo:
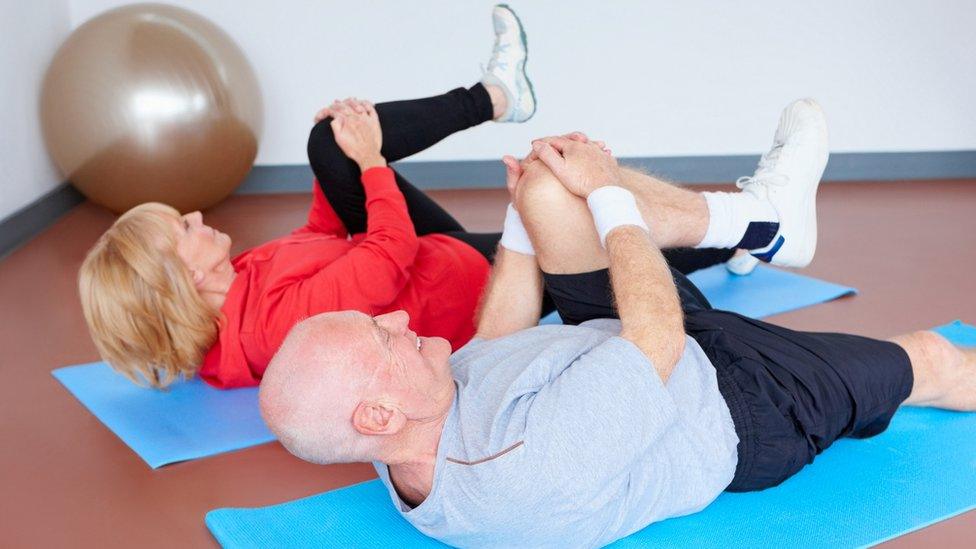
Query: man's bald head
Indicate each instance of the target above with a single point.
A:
(314, 383)
(347, 387)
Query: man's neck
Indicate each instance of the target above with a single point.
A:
(412, 466)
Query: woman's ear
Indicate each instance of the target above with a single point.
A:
(198, 277)
(374, 418)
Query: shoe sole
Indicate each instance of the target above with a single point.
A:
(742, 265)
(525, 71)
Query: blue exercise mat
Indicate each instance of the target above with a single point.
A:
(193, 420)
(857, 493)
(187, 421)
(765, 292)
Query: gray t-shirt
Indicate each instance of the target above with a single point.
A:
(566, 436)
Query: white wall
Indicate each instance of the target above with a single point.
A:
(652, 78)
(31, 32)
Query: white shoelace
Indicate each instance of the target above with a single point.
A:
(764, 175)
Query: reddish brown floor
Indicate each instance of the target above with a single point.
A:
(65, 480)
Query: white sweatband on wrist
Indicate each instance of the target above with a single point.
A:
(613, 207)
(514, 236)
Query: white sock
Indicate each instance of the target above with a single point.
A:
(514, 235)
(730, 216)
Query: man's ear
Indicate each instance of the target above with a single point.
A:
(374, 418)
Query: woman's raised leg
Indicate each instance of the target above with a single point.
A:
(408, 128)
(505, 94)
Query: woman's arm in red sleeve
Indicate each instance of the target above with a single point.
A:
(371, 274)
(321, 216)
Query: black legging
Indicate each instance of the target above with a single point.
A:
(410, 127)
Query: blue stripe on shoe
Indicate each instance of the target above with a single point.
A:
(767, 256)
(758, 235)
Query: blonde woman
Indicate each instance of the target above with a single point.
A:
(164, 300)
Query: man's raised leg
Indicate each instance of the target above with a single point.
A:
(569, 252)
(561, 226)
(676, 217)
(774, 216)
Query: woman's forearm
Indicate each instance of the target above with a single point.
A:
(388, 224)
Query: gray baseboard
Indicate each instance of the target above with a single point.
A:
(472, 174)
(476, 174)
(30, 220)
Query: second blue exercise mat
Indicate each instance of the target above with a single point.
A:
(187, 421)
(859, 492)
(192, 420)
(765, 292)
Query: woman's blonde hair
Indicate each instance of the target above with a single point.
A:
(143, 311)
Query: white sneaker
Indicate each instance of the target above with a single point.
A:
(506, 69)
(788, 176)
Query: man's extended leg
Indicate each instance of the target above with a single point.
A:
(945, 375)
(792, 394)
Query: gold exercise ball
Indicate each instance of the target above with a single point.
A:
(151, 103)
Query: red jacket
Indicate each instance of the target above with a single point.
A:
(435, 278)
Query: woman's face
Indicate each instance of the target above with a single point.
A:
(203, 249)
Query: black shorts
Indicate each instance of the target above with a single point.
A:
(791, 394)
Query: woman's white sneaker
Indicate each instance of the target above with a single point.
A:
(506, 68)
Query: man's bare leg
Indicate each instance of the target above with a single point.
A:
(945, 375)
(669, 200)
(677, 217)
(561, 226)
(774, 216)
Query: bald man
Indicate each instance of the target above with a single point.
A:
(580, 434)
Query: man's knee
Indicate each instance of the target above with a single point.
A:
(925, 346)
(540, 193)
(929, 353)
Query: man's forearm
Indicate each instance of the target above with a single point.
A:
(513, 299)
(647, 300)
